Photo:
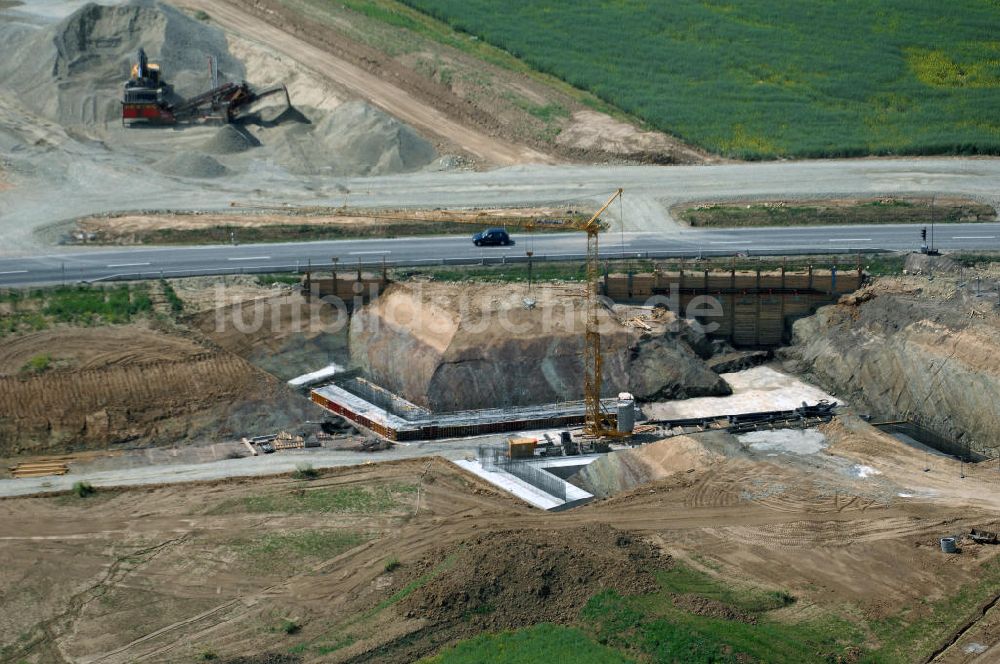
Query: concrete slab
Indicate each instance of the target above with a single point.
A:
(526, 492)
(314, 377)
(754, 390)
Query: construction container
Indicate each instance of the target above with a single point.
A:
(521, 448)
(626, 412)
(949, 545)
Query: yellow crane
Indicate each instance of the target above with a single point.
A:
(598, 422)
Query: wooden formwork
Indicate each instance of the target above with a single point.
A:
(755, 307)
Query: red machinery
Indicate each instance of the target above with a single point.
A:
(146, 98)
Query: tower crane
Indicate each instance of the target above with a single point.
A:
(598, 422)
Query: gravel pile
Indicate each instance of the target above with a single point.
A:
(72, 72)
(355, 139)
(192, 165)
(229, 140)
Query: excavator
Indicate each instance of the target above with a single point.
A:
(148, 99)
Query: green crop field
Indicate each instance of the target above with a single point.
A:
(762, 79)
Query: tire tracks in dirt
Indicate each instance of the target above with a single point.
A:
(392, 99)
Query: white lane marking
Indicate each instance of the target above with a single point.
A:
(359, 253)
(128, 264)
(731, 242)
(15, 272)
(251, 258)
(974, 237)
(850, 239)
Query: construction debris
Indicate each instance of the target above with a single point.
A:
(984, 536)
(39, 469)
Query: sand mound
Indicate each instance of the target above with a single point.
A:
(625, 470)
(230, 139)
(353, 140)
(510, 579)
(192, 165)
(72, 72)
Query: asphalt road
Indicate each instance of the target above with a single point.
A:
(225, 259)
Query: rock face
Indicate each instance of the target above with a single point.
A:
(453, 348)
(910, 349)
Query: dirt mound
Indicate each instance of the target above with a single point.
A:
(95, 348)
(117, 384)
(230, 139)
(628, 469)
(711, 608)
(192, 165)
(450, 347)
(513, 578)
(352, 140)
(72, 72)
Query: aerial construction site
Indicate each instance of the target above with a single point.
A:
(386, 331)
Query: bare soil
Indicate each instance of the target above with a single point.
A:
(168, 573)
(833, 211)
(490, 113)
(154, 381)
(159, 227)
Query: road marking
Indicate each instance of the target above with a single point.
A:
(732, 242)
(360, 253)
(251, 258)
(15, 272)
(128, 264)
(974, 237)
(850, 239)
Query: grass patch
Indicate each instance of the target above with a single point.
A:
(290, 627)
(298, 232)
(762, 79)
(915, 631)
(83, 489)
(411, 19)
(287, 279)
(682, 580)
(87, 305)
(650, 628)
(170, 295)
(540, 643)
(304, 471)
(37, 309)
(37, 364)
(891, 211)
(392, 564)
(274, 550)
(357, 500)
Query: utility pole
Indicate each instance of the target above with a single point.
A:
(933, 251)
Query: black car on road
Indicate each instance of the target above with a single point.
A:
(492, 237)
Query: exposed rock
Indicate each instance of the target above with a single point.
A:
(738, 360)
(910, 349)
(451, 348)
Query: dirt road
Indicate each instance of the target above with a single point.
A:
(425, 118)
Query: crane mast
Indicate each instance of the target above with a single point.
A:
(597, 422)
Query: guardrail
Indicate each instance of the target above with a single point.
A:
(301, 267)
